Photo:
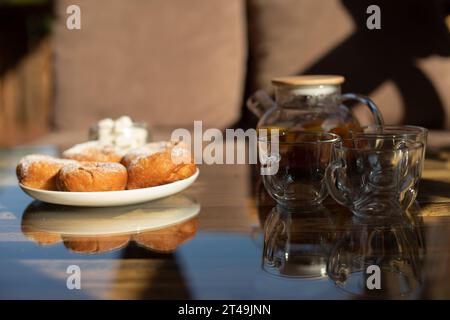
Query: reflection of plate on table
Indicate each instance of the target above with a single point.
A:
(159, 226)
(110, 198)
(68, 220)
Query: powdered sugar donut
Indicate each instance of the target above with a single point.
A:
(169, 163)
(145, 151)
(92, 176)
(93, 151)
(39, 171)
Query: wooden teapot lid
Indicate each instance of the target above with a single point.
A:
(308, 80)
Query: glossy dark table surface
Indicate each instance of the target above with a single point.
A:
(238, 246)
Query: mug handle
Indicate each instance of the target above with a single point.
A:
(332, 180)
(369, 103)
(270, 164)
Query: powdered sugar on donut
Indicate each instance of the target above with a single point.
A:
(102, 166)
(90, 147)
(26, 162)
(179, 152)
(146, 150)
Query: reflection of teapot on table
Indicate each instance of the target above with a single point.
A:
(309, 102)
(159, 226)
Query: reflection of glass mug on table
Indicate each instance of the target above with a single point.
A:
(297, 243)
(377, 258)
(376, 176)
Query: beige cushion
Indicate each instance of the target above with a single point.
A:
(165, 62)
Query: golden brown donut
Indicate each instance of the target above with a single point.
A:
(168, 239)
(93, 151)
(95, 244)
(166, 166)
(92, 176)
(39, 171)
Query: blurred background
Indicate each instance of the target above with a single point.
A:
(170, 62)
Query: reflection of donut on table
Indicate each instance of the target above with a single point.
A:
(165, 240)
(39, 171)
(93, 244)
(92, 176)
(168, 239)
(161, 225)
(42, 238)
(154, 165)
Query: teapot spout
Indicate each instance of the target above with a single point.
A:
(259, 103)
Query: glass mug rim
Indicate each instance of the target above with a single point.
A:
(399, 126)
(415, 146)
(404, 130)
(324, 137)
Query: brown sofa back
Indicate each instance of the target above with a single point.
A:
(165, 62)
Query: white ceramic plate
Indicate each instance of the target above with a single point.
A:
(110, 198)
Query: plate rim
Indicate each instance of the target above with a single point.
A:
(81, 193)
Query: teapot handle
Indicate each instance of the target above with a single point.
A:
(369, 103)
(259, 103)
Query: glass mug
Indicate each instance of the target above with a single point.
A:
(376, 176)
(395, 132)
(301, 159)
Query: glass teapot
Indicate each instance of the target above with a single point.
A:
(309, 102)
